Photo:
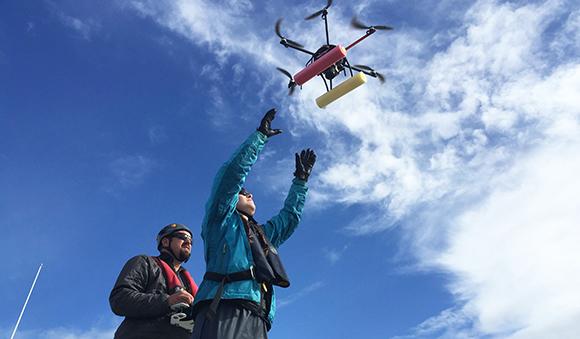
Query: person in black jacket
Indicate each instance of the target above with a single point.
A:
(154, 293)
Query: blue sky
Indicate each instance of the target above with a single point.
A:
(443, 203)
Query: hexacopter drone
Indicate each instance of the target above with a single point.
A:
(329, 61)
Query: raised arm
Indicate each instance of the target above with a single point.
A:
(280, 228)
(232, 175)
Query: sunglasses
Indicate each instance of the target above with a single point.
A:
(245, 193)
(182, 236)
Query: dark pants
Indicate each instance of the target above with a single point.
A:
(150, 329)
(232, 321)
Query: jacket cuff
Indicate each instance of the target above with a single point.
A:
(299, 182)
(261, 136)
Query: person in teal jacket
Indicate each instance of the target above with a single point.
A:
(236, 297)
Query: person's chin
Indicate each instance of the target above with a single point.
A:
(184, 255)
(248, 210)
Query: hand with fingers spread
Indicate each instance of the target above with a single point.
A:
(304, 163)
(266, 124)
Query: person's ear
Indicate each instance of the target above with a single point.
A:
(165, 242)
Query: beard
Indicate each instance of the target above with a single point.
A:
(182, 255)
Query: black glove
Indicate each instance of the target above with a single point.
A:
(265, 125)
(304, 163)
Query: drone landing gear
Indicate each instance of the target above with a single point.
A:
(340, 90)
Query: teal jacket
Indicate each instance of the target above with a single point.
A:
(225, 241)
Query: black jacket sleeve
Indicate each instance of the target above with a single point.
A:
(135, 294)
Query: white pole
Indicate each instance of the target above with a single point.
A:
(26, 302)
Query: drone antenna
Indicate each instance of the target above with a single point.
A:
(324, 13)
(26, 302)
(324, 16)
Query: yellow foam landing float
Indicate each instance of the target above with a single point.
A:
(340, 90)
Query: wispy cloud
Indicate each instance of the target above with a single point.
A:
(86, 28)
(130, 171)
(66, 333)
(452, 323)
(157, 135)
(30, 25)
(300, 294)
(334, 255)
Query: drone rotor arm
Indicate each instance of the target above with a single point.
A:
(367, 34)
(363, 67)
(287, 44)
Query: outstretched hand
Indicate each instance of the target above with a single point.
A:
(266, 124)
(304, 163)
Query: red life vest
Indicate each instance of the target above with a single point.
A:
(173, 281)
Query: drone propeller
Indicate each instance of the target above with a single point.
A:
(372, 72)
(291, 84)
(283, 39)
(357, 24)
(314, 15)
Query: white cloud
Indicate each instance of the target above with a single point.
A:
(157, 135)
(334, 254)
(131, 170)
(283, 302)
(514, 256)
(450, 324)
(196, 20)
(66, 333)
(568, 39)
(86, 28)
